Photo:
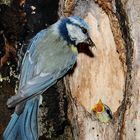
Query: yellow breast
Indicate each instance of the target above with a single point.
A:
(74, 49)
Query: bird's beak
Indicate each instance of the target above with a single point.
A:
(94, 108)
(90, 42)
(100, 102)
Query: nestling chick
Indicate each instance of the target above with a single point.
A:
(102, 112)
(50, 55)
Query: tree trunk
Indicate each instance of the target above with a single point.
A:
(112, 74)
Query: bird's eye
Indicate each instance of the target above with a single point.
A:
(84, 30)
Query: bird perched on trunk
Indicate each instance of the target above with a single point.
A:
(50, 55)
(102, 112)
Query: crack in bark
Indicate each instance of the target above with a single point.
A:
(129, 62)
(108, 8)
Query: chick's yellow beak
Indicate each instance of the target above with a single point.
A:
(94, 108)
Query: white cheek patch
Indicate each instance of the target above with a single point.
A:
(76, 33)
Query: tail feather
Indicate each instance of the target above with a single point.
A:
(29, 121)
(11, 131)
(34, 119)
(25, 125)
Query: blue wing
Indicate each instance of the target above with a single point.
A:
(38, 84)
(27, 67)
(23, 124)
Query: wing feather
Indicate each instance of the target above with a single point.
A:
(29, 61)
(33, 82)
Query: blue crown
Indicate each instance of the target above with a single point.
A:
(80, 20)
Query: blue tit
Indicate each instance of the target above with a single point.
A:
(102, 112)
(50, 55)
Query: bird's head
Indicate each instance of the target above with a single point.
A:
(75, 31)
(99, 107)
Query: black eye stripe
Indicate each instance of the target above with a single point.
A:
(84, 30)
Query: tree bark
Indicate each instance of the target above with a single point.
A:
(112, 75)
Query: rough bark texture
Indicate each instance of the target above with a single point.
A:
(111, 75)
